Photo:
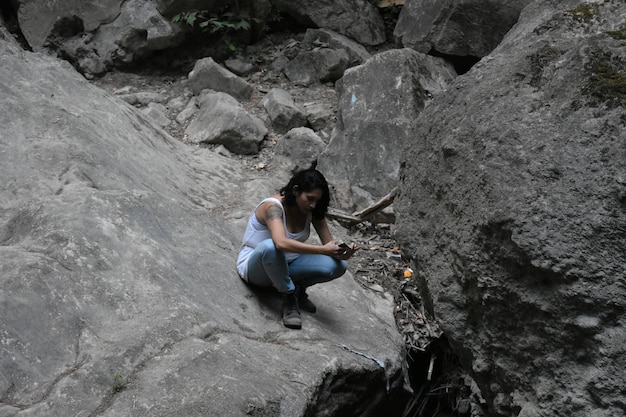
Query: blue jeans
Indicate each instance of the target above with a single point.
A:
(267, 267)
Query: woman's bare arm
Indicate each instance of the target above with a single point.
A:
(271, 215)
(321, 227)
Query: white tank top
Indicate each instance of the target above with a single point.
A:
(256, 232)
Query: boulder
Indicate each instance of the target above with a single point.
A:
(316, 38)
(188, 112)
(283, 112)
(158, 113)
(301, 147)
(377, 102)
(40, 19)
(222, 120)
(177, 104)
(318, 114)
(239, 67)
(95, 35)
(357, 19)
(317, 65)
(456, 27)
(118, 290)
(512, 205)
(208, 74)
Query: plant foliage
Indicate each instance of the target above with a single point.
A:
(224, 23)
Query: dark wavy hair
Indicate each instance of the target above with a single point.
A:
(308, 180)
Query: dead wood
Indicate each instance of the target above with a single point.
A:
(360, 216)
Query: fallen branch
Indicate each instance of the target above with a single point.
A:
(360, 216)
(379, 205)
(343, 216)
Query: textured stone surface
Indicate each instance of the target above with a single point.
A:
(118, 290)
(222, 120)
(357, 54)
(456, 27)
(284, 113)
(96, 35)
(317, 65)
(376, 103)
(356, 19)
(512, 203)
(208, 74)
(301, 147)
(37, 18)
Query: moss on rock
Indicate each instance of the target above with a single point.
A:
(619, 34)
(584, 12)
(607, 84)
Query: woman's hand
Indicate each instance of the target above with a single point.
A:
(342, 252)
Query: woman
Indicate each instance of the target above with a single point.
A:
(274, 252)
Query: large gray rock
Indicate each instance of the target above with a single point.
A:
(97, 35)
(356, 19)
(456, 27)
(118, 292)
(38, 18)
(322, 56)
(284, 113)
(222, 120)
(301, 147)
(377, 102)
(513, 206)
(316, 38)
(318, 114)
(208, 74)
(317, 65)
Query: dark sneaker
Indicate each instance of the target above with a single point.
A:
(303, 301)
(291, 312)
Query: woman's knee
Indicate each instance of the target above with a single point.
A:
(340, 268)
(335, 268)
(267, 249)
(266, 245)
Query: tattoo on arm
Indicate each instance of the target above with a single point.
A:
(273, 212)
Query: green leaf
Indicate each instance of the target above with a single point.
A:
(243, 25)
(191, 18)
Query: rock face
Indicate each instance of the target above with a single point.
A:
(118, 292)
(357, 54)
(376, 103)
(456, 27)
(356, 19)
(513, 205)
(96, 35)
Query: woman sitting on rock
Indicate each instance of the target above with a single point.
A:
(274, 252)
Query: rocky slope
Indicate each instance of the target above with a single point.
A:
(119, 293)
